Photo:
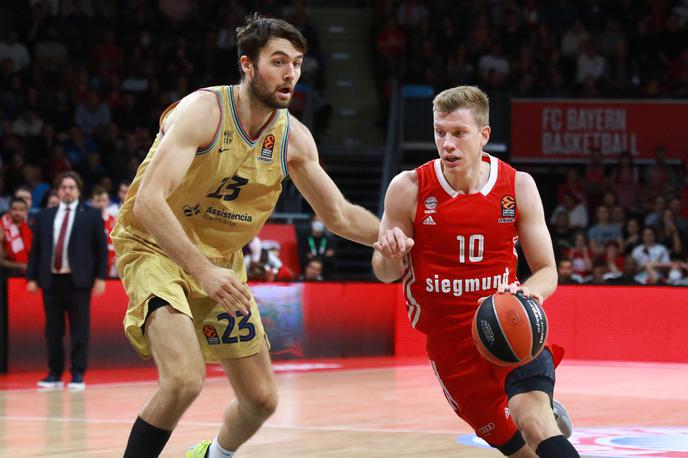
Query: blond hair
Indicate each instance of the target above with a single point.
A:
(470, 97)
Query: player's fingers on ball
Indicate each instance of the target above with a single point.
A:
(481, 300)
(409, 243)
(513, 288)
(501, 288)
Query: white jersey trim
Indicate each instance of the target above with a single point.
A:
(413, 306)
(494, 170)
(492, 179)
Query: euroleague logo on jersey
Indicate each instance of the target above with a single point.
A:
(266, 150)
(508, 208)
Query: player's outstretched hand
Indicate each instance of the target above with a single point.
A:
(225, 288)
(393, 243)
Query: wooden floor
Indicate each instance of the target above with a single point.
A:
(391, 411)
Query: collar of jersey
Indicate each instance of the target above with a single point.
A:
(485, 189)
(237, 122)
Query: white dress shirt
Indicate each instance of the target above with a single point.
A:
(57, 225)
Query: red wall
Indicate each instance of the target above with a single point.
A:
(640, 323)
(627, 323)
(339, 320)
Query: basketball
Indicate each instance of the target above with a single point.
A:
(509, 330)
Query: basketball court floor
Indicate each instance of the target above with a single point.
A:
(381, 407)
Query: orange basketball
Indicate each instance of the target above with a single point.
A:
(509, 330)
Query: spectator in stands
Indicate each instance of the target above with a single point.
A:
(602, 232)
(460, 69)
(631, 235)
(609, 200)
(275, 268)
(34, 181)
(658, 185)
(252, 259)
(122, 190)
(668, 233)
(578, 214)
(15, 238)
(654, 217)
(11, 48)
(627, 277)
(566, 274)
(651, 258)
(100, 201)
(599, 270)
(28, 124)
(619, 216)
(580, 255)
(313, 271)
(572, 185)
(411, 12)
(660, 167)
(613, 258)
(494, 61)
(562, 235)
(677, 209)
(678, 271)
(318, 244)
(53, 199)
(590, 63)
(92, 115)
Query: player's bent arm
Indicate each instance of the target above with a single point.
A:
(192, 126)
(400, 203)
(534, 237)
(340, 216)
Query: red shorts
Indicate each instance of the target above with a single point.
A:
(479, 391)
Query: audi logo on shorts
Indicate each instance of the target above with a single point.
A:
(487, 429)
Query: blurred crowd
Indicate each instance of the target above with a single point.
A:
(622, 223)
(535, 48)
(83, 83)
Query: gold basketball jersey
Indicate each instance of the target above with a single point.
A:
(230, 189)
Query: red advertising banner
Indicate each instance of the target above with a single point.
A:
(302, 320)
(620, 323)
(567, 130)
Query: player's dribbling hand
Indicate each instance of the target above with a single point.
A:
(224, 287)
(514, 288)
(393, 243)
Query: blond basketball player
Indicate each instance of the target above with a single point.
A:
(208, 184)
(450, 229)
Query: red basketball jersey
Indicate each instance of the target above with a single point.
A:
(464, 249)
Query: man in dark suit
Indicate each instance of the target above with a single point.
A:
(68, 258)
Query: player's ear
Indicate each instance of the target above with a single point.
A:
(485, 135)
(246, 65)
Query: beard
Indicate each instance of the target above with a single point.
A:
(259, 89)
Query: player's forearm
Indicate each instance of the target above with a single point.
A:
(357, 224)
(543, 281)
(387, 270)
(157, 218)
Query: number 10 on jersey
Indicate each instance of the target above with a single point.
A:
(476, 247)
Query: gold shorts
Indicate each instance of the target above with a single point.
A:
(145, 273)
